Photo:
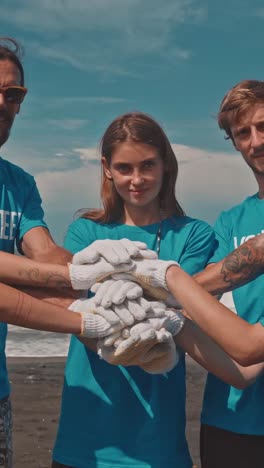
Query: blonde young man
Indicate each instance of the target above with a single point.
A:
(232, 430)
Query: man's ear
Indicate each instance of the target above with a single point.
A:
(18, 109)
(106, 169)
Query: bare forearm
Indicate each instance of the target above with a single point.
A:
(62, 296)
(241, 266)
(38, 244)
(23, 310)
(210, 356)
(54, 254)
(242, 341)
(54, 296)
(23, 271)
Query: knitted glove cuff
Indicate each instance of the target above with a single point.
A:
(79, 277)
(94, 326)
(160, 275)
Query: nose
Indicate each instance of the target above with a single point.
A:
(137, 178)
(2, 101)
(257, 138)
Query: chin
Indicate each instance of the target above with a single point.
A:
(3, 138)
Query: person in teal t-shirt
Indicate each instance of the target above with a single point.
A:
(244, 264)
(115, 416)
(232, 419)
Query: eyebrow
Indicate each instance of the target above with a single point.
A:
(151, 158)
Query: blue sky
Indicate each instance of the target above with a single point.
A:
(87, 61)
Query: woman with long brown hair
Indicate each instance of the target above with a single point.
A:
(114, 416)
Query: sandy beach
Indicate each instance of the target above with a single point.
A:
(36, 389)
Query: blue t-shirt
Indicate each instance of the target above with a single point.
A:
(114, 416)
(240, 411)
(20, 211)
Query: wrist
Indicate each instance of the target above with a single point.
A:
(171, 275)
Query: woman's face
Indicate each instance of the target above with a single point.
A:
(137, 173)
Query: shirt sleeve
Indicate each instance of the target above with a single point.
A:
(76, 237)
(32, 214)
(200, 247)
(222, 229)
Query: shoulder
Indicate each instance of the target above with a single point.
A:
(189, 223)
(12, 170)
(238, 208)
(82, 225)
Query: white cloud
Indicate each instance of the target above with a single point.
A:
(99, 34)
(209, 182)
(88, 155)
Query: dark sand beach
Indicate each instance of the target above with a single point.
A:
(36, 389)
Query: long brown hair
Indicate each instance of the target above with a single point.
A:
(139, 128)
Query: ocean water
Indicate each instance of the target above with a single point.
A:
(28, 343)
(25, 342)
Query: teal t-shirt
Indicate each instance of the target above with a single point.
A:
(20, 211)
(114, 416)
(226, 407)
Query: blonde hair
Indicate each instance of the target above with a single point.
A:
(238, 101)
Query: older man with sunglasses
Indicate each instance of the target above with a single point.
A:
(21, 218)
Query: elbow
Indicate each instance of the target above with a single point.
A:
(242, 378)
(242, 383)
(244, 358)
(250, 351)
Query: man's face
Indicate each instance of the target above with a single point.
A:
(248, 138)
(9, 76)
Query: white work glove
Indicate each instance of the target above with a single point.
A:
(153, 310)
(113, 251)
(172, 322)
(162, 358)
(151, 275)
(84, 276)
(154, 352)
(93, 325)
(130, 354)
(115, 292)
(126, 313)
(148, 344)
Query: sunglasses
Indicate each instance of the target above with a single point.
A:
(13, 94)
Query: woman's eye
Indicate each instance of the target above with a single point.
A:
(123, 169)
(148, 164)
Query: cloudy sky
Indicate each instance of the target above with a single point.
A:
(87, 61)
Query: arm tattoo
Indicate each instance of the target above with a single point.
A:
(245, 263)
(50, 279)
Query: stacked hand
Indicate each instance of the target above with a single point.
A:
(148, 344)
(151, 275)
(94, 325)
(104, 258)
(136, 331)
(113, 251)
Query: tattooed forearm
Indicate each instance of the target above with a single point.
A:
(245, 263)
(36, 278)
